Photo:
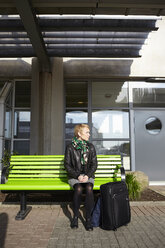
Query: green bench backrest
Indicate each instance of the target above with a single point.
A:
(52, 166)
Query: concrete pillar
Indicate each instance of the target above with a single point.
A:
(40, 138)
(57, 128)
(34, 133)
(47, 109)
(45, 81)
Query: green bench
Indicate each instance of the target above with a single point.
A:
(42, 173)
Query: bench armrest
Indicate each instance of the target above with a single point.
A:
(5, 171)
(122, 173)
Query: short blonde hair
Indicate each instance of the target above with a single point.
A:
(78, 128)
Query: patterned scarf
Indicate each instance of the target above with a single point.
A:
(83, 146)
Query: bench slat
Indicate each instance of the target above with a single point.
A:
(59, 156)
(57, 163)
(37, 171)
(39, 176)
(53, 171)
(56, 176)
(31, 167)
(15, 167)
(37, 163)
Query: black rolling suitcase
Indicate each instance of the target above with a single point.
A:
(115, 207)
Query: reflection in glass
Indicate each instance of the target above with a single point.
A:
(153, 125)
(76, 94)
(148, 94)
(9, 100)
(109, 94)
(1, 85)
(22, 147)
(67, 142)
(22, 124)
(73, 118)
(110, 124)
(22, 94)
(114, 148)
(8, 123)
(8, 145)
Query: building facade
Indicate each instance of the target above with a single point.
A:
(122, 100)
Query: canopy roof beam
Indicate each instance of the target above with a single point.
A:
(30, 23)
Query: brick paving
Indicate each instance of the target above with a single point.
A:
(49, 227)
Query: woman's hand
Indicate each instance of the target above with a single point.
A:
(80, 178)
(85, 178)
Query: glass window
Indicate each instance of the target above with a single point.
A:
(148, 94)
(73, 118)
(22, 147)
(8, 145)
(153, 125)
(76, 94)
(109, 94)
(110, 124)
(114, 148)
(22, 124)
(8, 123)
(9, 99)
(22, 94)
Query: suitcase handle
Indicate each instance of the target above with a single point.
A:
(122, 173)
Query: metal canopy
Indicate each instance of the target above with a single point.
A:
(90, 7)
(45, 37)
(116, 37)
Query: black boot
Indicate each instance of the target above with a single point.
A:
(89, 226)
(74, 223)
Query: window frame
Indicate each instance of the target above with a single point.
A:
(13, 109)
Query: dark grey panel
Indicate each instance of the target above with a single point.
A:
(94, 46)
(126, 53)
(15, 41)
(92, 41)
(129, 25)
(93, 34)
(13, 35)
(29, 52)
(119, 7)
(99, 42)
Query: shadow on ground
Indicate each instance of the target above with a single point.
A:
(3, 228)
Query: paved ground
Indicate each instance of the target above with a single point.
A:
(158, 189)
(49, 227)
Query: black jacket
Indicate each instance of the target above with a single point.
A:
(73, 165)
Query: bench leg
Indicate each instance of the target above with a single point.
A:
(24, 210)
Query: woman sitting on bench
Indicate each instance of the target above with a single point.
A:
(81, 164)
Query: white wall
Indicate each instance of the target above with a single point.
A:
(152, 62)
